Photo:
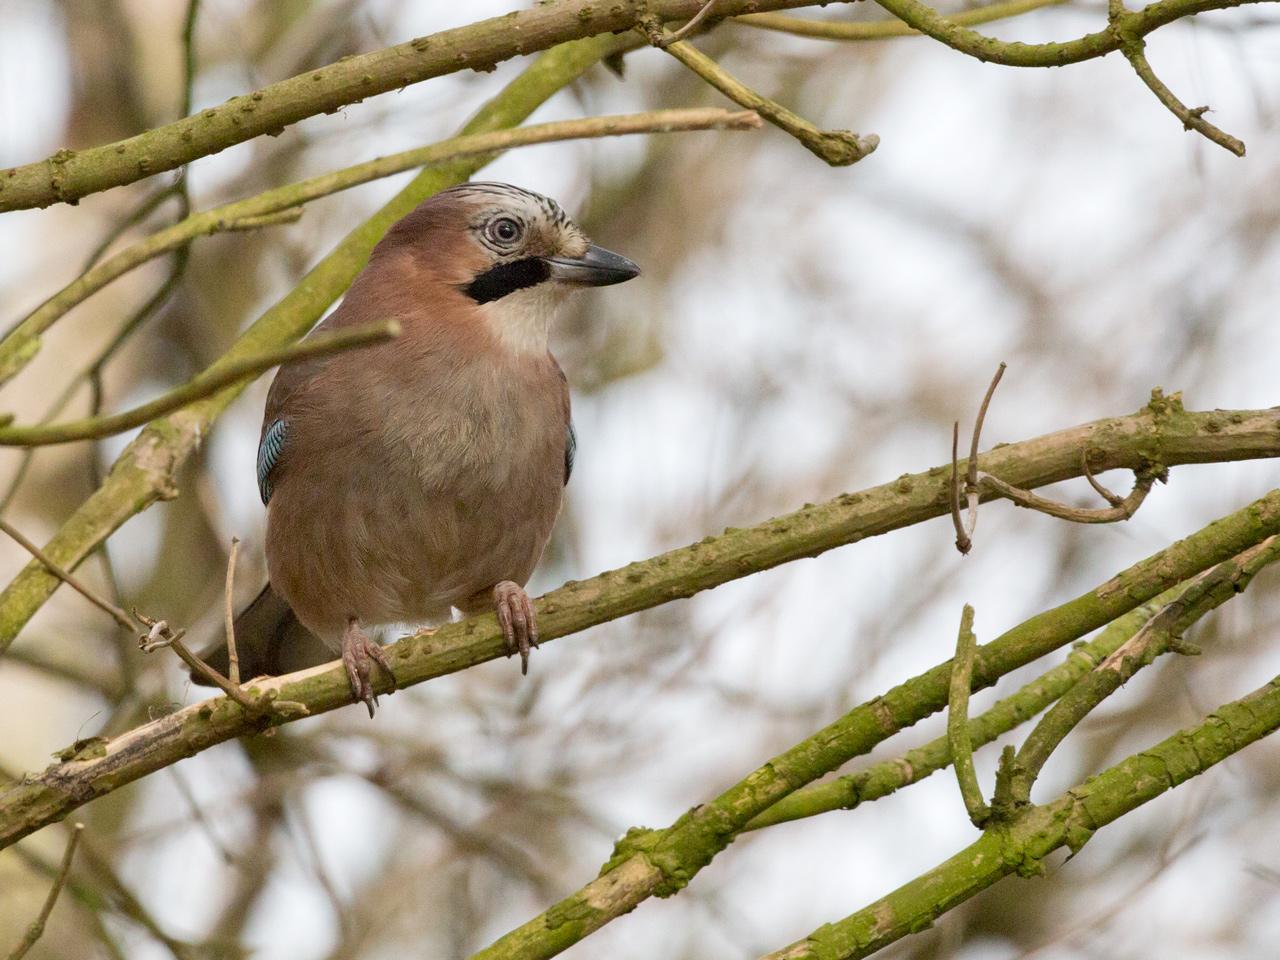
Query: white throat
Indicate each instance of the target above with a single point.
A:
(522, 320)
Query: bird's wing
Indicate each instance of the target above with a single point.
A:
(290, 380)
(270, 447)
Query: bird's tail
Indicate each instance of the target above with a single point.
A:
(269, 642)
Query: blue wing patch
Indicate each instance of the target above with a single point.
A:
(570, 451)
(269, 451)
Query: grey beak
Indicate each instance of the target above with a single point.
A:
(597, 267)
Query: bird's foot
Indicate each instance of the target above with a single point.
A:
(358, 655)
(515, 614)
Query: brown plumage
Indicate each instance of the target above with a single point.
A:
(409, 478)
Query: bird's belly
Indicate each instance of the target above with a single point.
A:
(387, 545)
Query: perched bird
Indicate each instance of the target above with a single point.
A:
(423, 474)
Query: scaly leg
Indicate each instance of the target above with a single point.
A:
(358, 653)
(515, 614)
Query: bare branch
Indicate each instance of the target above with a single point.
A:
(958, 721)
(36, 930)
(689, 27)
(964, 531)
(116, 614)
(229, 614)
(1161, 634)
(856, 31)
(1123, 508)
(1134, 49)
(836, 147)
(210, 382)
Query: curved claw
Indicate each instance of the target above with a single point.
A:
(517, 619)
(358, 653)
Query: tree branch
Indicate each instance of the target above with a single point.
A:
(958, 721)
(234, 373)
(36, 930)
(888, 776)
(1136, 23)
(661, 862)
(839, 148)
(886, 29)
(1134, 50)
(1069, 821)
(676, 574)
(68, 175)
(1161, 634)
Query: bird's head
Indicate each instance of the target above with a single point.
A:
(512, 253)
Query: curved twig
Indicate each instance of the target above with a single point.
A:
(1122, 508)
(958, 721)
(857, 31)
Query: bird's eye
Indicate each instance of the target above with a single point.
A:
(504, 230)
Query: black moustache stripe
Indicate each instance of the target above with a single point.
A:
(496, 282)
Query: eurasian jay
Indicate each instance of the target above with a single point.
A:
(424, 474)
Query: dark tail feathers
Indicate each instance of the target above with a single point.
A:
(269, 642)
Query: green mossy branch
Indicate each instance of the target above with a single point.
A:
(1022, 845)
(1162, 634)
(664, 863)
(1162, 429)
(888, 776)
(69, 175)
(1125, 28)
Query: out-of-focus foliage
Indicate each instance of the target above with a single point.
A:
(798, 331)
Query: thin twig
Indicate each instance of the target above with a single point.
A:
(958, 721)
(36, 929)
(688, 28)
(233, 658)
(964, 531)
(837, 148)
(208, 383)
(161, 635)
(1114, 499)
(116, 614)
(963, 543)
(1123, 508)
(1133, 47)
(885, 29)
(971, 478)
